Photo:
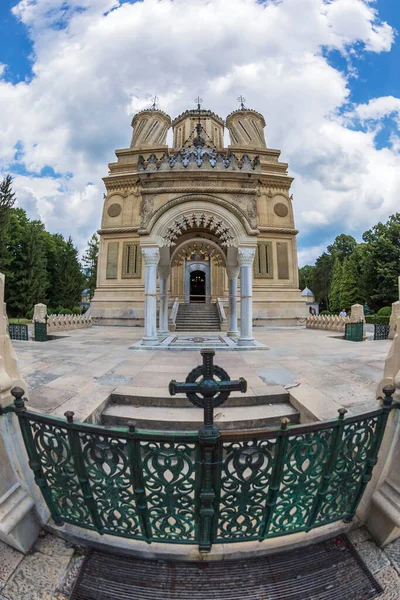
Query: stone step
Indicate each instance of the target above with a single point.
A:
(189, 419)
(125, 394)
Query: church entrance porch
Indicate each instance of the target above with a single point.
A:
(197, 286)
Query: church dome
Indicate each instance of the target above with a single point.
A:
(184, 127)
(246, 128)
(150, 128)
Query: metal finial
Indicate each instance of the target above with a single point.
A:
(242, 100)
(154, 100)
(198, 101)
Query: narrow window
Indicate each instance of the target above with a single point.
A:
(131, 261)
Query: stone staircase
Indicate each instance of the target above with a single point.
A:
(198, 316)
(163, 412)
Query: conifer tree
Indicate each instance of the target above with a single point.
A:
(70, 279)
(7, 200)
(90, 263)
(336, 287)
(29, 276)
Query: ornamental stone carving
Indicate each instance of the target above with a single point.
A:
(281, 210)
(246, 256)
(114, 210)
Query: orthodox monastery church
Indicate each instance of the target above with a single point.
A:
(198, 230)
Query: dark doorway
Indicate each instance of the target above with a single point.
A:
(197, 286)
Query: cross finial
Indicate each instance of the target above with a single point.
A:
(154, 100)
(242, 100)
(198, 101)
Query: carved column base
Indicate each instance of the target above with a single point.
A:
(19, 527)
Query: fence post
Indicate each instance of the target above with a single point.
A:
(138, 483)
(327, 476)
(276, 477)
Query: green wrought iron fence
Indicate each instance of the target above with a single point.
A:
(40, 331)
(18, 331)
(354, 332)
(187, 488)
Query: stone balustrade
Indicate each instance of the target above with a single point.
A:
(336, 322)
(67, 322)
(329, 322)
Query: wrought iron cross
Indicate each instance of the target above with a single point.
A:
(242, 100)
(155, 102)
(198, 101)
(208, 386)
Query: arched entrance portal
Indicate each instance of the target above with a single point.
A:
(197, 286)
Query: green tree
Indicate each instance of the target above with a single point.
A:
(350, 284)
(55, 247)
(7, 200)
(28, 268)
(89, 260)
(382, 262)
(306, 277)
(335, 292)
(70, 279)
(322, 279)
(342, 247)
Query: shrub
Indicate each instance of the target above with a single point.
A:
(76, 310)
(60, 310)
(29, 314)
(376, 319)
(385, 311)
(325, 312)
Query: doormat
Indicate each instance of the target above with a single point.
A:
(329, 570)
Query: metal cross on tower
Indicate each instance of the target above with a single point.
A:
(154, 100)
(242, 100)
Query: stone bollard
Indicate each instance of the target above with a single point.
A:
(394, 319)
(40, 313)
(357, 313)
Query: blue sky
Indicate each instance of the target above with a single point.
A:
(323, 72)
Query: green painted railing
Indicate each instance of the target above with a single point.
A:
(187, 488)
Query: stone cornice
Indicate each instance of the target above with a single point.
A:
(117, 230)
(278, 230)
(198, 189)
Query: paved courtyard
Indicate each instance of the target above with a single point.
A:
(78, 370)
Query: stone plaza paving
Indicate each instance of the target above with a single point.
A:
(78, 371)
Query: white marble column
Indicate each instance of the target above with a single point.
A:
(163, 271)
(151, 256)
(233, 273)
(245, 260)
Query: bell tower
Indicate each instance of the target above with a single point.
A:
(150, 127)
(246, 128)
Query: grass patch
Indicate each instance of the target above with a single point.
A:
(20, 321)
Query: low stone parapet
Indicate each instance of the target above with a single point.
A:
(67, 322)
(329, 322)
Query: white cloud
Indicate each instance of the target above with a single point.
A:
(96, 62)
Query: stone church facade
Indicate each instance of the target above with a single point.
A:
(197, 222)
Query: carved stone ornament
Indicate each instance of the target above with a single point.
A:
(281, 209)
(114, 210)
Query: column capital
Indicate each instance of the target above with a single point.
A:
(246, 256)
(151, 256)
(232, 272)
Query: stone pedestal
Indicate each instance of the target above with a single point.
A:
(164, 271)
(245, 260)
(233, 273)
(357, 313)
(18, 525)
(151, 257)
(40, 313)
